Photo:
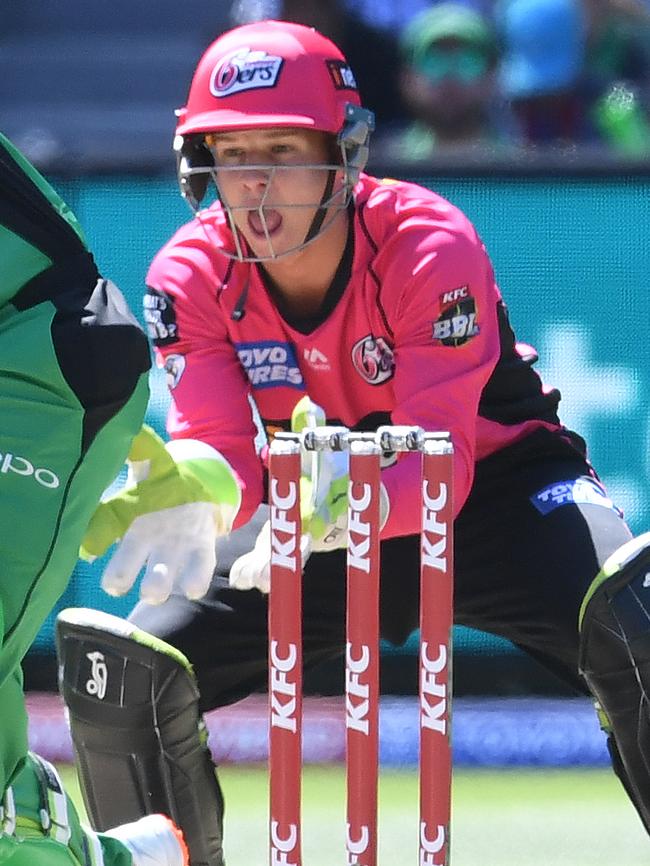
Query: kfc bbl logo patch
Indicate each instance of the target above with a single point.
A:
(373, 359)
(457, 323)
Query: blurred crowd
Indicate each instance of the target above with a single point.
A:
(463, 78)
(457, 78)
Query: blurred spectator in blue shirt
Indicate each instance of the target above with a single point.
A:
(447, 80)
(564, 83)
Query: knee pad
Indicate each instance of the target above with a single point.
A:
(615, 661)
(139, 741)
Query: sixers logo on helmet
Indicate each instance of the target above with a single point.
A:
(244, 69)
(373, 359)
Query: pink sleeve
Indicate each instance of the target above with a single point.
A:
(449, 290)
(209, 391)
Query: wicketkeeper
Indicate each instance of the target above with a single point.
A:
(302, 275)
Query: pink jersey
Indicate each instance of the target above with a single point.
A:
(413, 331)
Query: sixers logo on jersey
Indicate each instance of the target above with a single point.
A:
(373, 359)
(457, 322)
(244, 70)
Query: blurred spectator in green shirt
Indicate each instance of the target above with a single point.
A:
(618, 72)
(575, 73)
(447, 82)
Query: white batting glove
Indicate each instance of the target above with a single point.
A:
(177, 546)
(178, 499)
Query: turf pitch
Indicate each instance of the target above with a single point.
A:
(501, 818)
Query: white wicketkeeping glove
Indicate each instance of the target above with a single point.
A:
(252, 570)
(324, 486)
(178, 499)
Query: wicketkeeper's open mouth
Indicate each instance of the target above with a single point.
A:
(266, 226)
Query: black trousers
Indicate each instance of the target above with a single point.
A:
(525, 555)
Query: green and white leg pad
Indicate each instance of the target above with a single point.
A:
(39, 825)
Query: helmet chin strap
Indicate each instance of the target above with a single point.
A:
(319, 216)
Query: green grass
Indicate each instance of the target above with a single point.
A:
(501, 818)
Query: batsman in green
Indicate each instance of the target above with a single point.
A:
(73, 391)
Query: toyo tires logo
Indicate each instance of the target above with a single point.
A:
(244, 70)
(269, 364)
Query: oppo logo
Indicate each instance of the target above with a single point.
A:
(22, 466)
